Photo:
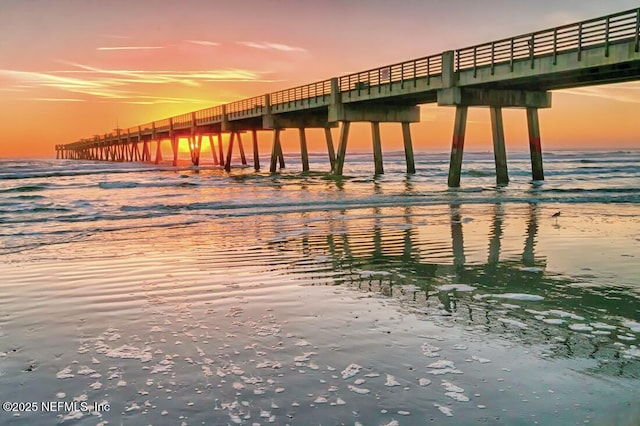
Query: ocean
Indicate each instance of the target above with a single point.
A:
(141, 294)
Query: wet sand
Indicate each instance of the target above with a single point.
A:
(457, 314)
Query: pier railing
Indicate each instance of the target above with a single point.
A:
(302, 95)
(406, 72)
(598, 32)
(604, 31)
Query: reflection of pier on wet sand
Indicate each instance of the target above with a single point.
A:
(509, 293)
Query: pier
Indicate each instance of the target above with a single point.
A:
(516, 72)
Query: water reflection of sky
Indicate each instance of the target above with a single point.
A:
(488, 272)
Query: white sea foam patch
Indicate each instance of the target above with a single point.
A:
(580, 327)
(563, 314)
(361, 391)
(633, 352)
(515, 296)
(350, 371)
(65, 373)
(533, 269)
(513, 323)
(130, 352)
(444, 410)
(443, 367)
(632, 325)
(391, 381)
(456, 287)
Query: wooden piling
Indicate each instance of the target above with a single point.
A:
(499, 150)
(457, 146)
(256, 154)
(303, 149)
(342, 148)
(408, 147)
(535, 146)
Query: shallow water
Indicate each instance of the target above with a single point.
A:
(189, 296)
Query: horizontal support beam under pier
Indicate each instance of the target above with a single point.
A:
(376, 112)
(298, 121)
(494, 98)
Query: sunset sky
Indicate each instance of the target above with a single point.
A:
(73, 68)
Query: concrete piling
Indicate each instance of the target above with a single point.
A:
(408, 147)
(256, 154)
(330, 149)
(342, 148)
(227, 163)
(377, 148)
(303, 150)
(499, 150)
(534, 144)
(457, 146)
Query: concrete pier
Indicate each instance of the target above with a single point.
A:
(514, 72)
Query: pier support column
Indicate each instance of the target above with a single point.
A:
(457, 146)
(256, 154)
(227, 163)
(220, 151)
(377, 148)
(243, 158)
(342, 148)
(158, 151)
(534, 144)
(330, 149)
(213, 151)
(276, 152)
(303, 149)
(174, 146)
(408, 148)
(499, 150)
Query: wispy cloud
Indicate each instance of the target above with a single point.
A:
(54, 99)
(116, 36)
(612, 93)
(123, 85)
(264, 45)
(130, 48)
(203, 42)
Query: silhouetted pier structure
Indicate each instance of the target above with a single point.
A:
(516, 72)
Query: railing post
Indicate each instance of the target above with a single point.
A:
(606, 38)
(637, 30)
(428, 72)
(448, 71)
(401, 76)
(580, 41)
(493, 53)
(555, 46)
(415, 73)
(511, 59)
(532, 48)
(474, 61)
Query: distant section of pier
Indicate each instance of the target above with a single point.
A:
(517, 72)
